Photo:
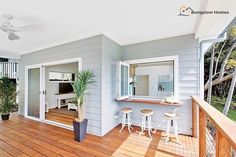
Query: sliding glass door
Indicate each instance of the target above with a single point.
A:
(35, 93)
(37, 105)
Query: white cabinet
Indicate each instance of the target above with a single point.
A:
(64, 96)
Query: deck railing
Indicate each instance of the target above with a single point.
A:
(8, 69)
(224, 129)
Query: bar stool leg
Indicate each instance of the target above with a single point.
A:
(149, 121)
(168, 130)
(143, 125)
(129, 124)
(123, 121)
(176, 132)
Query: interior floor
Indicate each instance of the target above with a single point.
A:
(62, 115)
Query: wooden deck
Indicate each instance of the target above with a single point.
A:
(60, 117)
(22, 137)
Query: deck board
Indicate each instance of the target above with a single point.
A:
(24, 137)
(59, 117)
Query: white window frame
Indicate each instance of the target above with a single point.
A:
(174, 58)
(119, 97)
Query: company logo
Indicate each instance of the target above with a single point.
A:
(187, 11)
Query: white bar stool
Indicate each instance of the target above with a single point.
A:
(126, 121)
(172, 125)
(147, 122)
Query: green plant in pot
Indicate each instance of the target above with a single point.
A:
(83, 81)
(7, 97)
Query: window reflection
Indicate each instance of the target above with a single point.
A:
(61, 76)
(152, 79)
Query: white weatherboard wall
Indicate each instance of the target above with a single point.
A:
(111, 55)
(90, 50)
(52, 87)
(101, 55)
(186, 48)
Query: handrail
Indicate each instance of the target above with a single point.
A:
(8, 69)
(225, 128)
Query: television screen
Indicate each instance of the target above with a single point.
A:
(65, 88)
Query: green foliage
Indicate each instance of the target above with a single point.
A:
(233, 55)
(221, 49)
(7, 95)
(232, 60)
(233, 31)
(231, 63)
(83, 81)
(218, 103)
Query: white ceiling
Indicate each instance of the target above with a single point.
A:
(125, 21)
(212, 25)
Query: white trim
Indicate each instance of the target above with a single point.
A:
(150, 60)
(176, 77)
(63, 61)
(61, 81)
(57, 124)
(26, 92)
(42, 93)
(64, 126)
(119, 82)
(174, 58)
(32, 118)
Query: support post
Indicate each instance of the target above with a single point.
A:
(223, 147)
(194, 119)
(202, 133)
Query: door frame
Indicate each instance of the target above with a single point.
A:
(42, 88)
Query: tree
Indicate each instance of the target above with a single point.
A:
(222, 71)
(231, 63)
(7, 95)
(211, 75)
(84, 79)
(226, 58)
(230, 95)
(223, 76)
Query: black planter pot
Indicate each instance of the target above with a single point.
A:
(5, 116)
(80, 129)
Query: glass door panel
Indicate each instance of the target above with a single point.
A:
(124, 80)
(34, 92)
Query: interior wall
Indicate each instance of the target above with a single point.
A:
(52, 87)
(152, 72)
(142, 86)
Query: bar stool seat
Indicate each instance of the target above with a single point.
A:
(172, 118)
(172, 115)
(126, 121)
(126, 110)
(147, 112)
(146, 123)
